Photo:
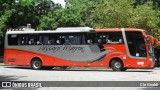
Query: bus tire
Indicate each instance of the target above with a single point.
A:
(36, 64)
(117, 65)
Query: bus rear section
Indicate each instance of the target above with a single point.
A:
(115, 48)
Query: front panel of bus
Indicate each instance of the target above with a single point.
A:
(139, 51)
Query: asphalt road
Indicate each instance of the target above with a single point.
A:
(15, 73)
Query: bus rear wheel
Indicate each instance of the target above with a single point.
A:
(36, 64)
(117, 65)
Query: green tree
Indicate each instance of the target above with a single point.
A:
(26, 11)
(49, 15)
(117, 14)
(3, 20)
(83, 10)
(61, 17)
(70, 18)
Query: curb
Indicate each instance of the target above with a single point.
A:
(157, 68)
(2, 64)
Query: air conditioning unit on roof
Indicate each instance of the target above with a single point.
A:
(81, 29)
(28, 29)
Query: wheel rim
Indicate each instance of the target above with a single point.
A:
(36, 64)
(117, 65)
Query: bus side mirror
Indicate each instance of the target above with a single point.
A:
(148, 39)
(152, 40)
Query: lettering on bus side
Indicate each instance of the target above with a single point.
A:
(54, 49)
(73, 48)
(46, 48)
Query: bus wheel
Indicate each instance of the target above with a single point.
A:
(117, 65)
(36, 64)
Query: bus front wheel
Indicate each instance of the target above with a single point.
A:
(36, 64)
(117, 65)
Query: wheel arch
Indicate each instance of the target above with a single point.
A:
(36, 58)
(117, 58)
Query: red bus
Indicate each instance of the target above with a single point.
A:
(118, 48)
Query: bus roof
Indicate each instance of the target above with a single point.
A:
(74, 29)
(118, 29)
(58, 30)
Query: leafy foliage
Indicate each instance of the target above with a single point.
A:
(117, 14)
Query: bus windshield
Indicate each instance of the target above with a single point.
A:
(136, 44)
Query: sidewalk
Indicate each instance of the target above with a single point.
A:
(157, 68)
(2, 64)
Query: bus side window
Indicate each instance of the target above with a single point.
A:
(71, 39)
(58, 39)
(106, 39)
(22, 39)
(99, 39)
(110, 38)
(33, 39)
(51, 39)
(83, 39)
(91, 38)
(39, 42)
(13, 39)
(117, 40)
(31, 42)
(103, 38)
(27, 39)
(45, 39)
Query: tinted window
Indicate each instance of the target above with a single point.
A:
(33, 39)
(51, 39)
(136, 43)
(63, 39)
(13, 39)
(23, 39)
(91, 38)
(110, 38)
(30, 39)
(72, 38)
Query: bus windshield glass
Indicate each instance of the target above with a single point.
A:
(136, 44)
